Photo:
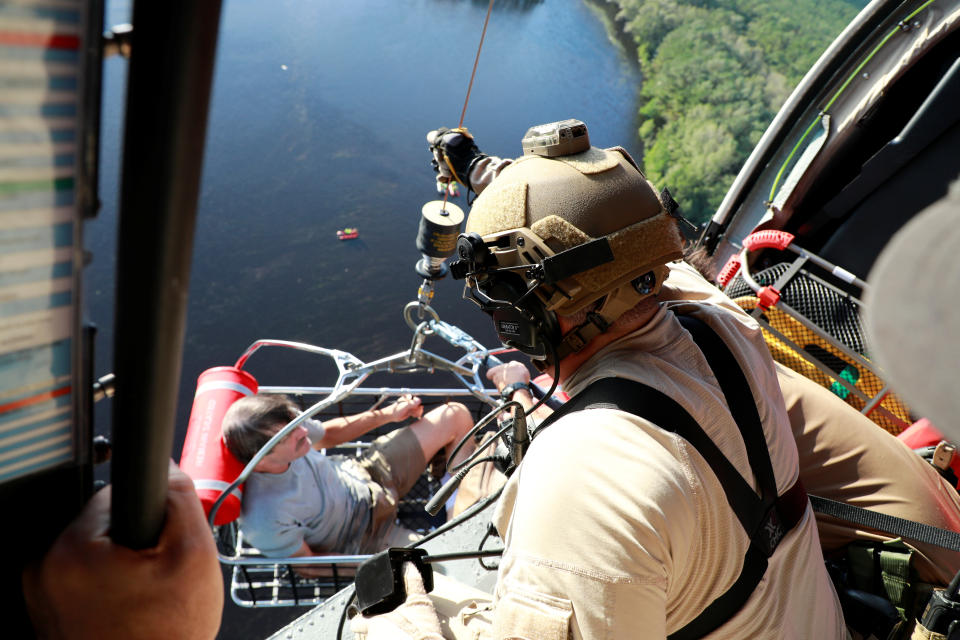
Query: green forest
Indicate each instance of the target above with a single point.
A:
(715, 72)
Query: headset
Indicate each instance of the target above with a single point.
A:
(508, 293)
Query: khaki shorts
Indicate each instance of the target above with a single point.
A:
(394, 462)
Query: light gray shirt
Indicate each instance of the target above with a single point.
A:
(321, 500)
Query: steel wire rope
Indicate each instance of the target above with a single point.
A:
(470, 512)
(476, 61)
(466, 100)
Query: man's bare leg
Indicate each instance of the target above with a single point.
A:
(442, 428)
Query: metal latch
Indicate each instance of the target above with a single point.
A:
(943, 455)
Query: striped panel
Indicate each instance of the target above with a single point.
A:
(223, 384)
(40, 45)
(217, 485)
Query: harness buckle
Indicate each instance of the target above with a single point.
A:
(770, 531)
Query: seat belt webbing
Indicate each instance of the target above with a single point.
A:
(900, 527)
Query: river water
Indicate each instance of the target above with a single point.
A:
(317, 122)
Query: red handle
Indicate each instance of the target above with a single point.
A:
(729, 270)
(768, 239)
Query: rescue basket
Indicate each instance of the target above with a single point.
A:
(259, 581)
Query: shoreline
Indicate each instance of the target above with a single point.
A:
(607, 11)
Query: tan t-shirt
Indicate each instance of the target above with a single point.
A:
(619, 529)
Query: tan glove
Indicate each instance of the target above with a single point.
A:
(415, 619)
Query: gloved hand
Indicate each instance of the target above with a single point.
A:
(454, 154)
(415, 619)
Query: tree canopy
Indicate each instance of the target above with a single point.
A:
(715, 73)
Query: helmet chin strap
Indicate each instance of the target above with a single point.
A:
(608, 309)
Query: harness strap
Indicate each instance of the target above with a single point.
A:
(662, 410)
(739, 397)
(765, 519)
(793, 504)
(772, 515)
(900, 527)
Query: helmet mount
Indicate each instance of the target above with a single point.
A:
(508, 293)
(555, 234)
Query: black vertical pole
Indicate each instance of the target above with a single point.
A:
(168, 94)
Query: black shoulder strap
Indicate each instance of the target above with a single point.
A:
(662, 410)
(740, 400)
(771, 516)
(766, 518)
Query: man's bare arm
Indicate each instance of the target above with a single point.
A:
(340, 430)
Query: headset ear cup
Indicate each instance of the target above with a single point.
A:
(548, 328)
(515, 330)
(526, 326)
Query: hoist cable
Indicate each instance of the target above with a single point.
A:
(475, 62)
(466, 100)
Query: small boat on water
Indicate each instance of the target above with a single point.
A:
(348, 233)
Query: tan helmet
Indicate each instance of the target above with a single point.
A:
(539, 206)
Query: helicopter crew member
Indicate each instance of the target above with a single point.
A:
(612, 524)
(843, 456)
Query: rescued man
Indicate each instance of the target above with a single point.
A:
(301, 502)
(614, 527)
